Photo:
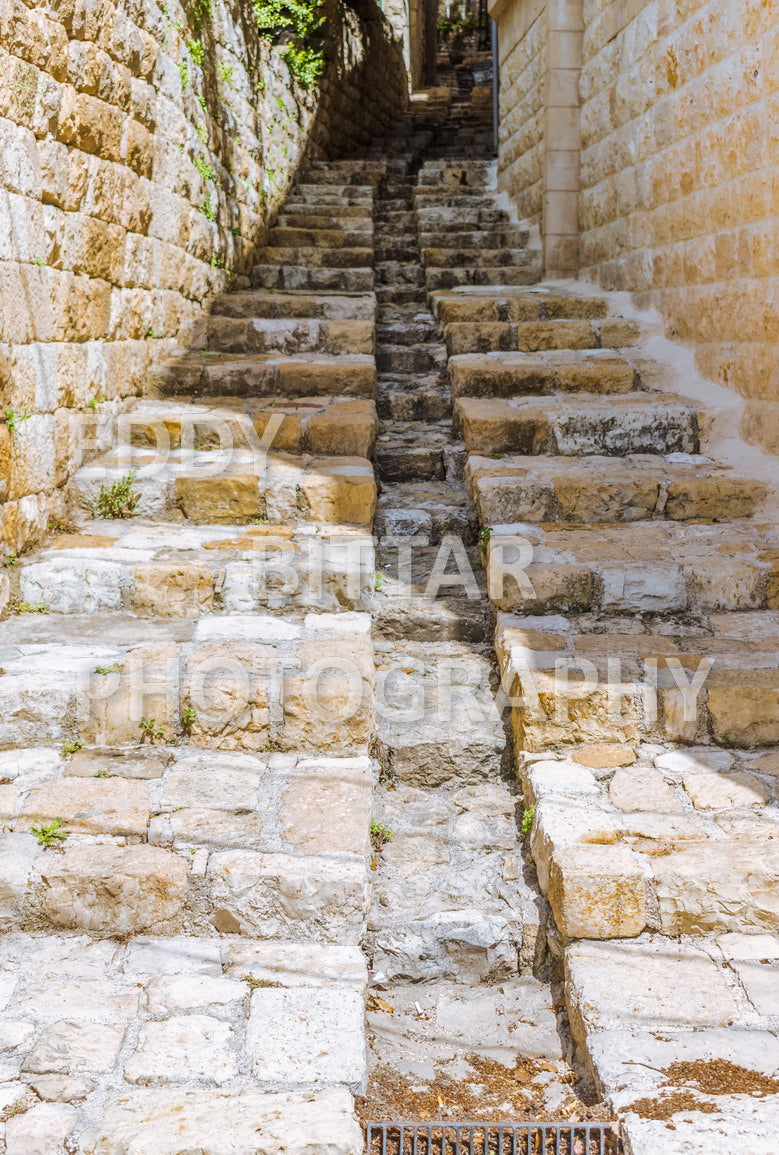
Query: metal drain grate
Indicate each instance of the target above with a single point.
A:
(491, 1139)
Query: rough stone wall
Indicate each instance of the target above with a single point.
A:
(679, 200)
(523, 63)
(141, 158)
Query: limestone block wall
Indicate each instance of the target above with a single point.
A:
(144, 146)
(679, 202)
(523, 31)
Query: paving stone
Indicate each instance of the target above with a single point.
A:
(183, 1047)
(307, 1036)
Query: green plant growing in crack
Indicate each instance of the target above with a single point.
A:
(150, 731)
(188, 721)
(526, 824)
(485, 533)
(10, 560)
(50, 834)
(204, 169)
(302, 20)
(380, 835)
(13, 419)
(119, 499)
(70, 748)
(378, 582)
(116, 668)
(17, 606)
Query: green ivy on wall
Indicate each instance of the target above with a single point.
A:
(299, 22)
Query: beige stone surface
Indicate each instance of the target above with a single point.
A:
(104, 806)
(598, 892)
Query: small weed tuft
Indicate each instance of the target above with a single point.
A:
(72, 747)
(380, 835)
(527, 822)
(115, 669)
(188, 721)
(150, 731)
(17, 606)
(14, 419)
(50, 834)
(485, 533)
(10, 560)
(118, 500)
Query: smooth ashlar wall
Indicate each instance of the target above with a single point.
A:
(676, 114)
(141, 157)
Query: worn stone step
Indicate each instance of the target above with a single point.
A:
(133, 1045)
(454, 257)
(319, 256)
(306, 218)
(251, 682)
(643, 567)
(487, 238)
(177, 570)
(518, 374)
(542, 303)
(272, 334)
(410, 463)
(627, 423)
(438, 721)
(341, 178)
(286, 306)
(336, 193)
(355, 212)
(395, 273)
(397, 250)
(417, 332)
(344, 280)
(240, 485)
(607, 489)
(517, 274)
(285, 238)
(534, 336)
(454, 904)
(428, 511)
(652, 1019)
(426, 402)
(266, 374)
(428, 593)
(619, 679)
(332, 426)
(216, 841)
(422, 358)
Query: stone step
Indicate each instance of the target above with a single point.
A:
(426, 402)
(410, 463)
(617, 679)
(395, 273)
(504, 304)
(446, 278)
(428, 512)
(241, 682)
(621, 424)
(468, 916)
(397, 251)
(272, 334)
(343, 280)
(586, 490)
(307, 218)
(339, 193)
(205, 840)
(266, 375)
(355, 213)
(341, 178)
(422, 358)
(518, 374)
(488, 237)
(239, 485)
(535, 336)
(433, 219)
(133, 1045)
(328, 238)
(176, 570)
(286, 306)
(417, 597)
(652, 567)
(319, 256)
(321, 426)
(438, 721)
(653, 1019)
(417, 332)
(454, 257)
(680, 841)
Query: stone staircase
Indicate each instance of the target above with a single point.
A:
(517, 749)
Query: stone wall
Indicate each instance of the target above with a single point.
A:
(679, 201)
(142, 153)
(656, 116)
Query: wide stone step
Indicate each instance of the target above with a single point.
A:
(176, 570)
(296, 238)
(478, 258)
(608, 489)
(619, 679)
(308, 218)
(154, 1044)
(337, 193)
(321, 426)
(319, 256)
(307, 276)
(535, 336)
(165, 841)
(267, 375)
(423, 358)
(293, 335)
(430, 512)
(487, 236)
(642, 567)
(224, 682)
(291, 305)
(397, 250)
(652, 1020)
(427, 401)
(543, 303)
(516, 274)
(438, 720)
(231, 484)
(518, 374)
(683, 841)
(416, 596)
(587, 424)
(354, 212)
(342, 178)
(396, 273)
(420, 330)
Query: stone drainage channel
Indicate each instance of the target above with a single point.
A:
(466, 1018)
